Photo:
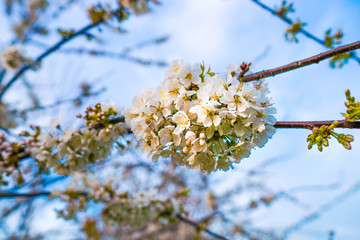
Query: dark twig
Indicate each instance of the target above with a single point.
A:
(2, 75)
(45, 54)
(302, 30)
(302, 63)
(196, 225)
(23, 195)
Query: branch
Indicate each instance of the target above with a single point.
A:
(302, 63)
(42, 194)
(288, 124)
(321, 210)
(311, 124)
(302, 30)
(108, 54)
(23, 195)
(63, 101)
(198, 226)
(45, 54)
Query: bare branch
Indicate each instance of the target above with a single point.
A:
(42, 194)
(45, 54)
(302, 30)
(321, 210)
(108, 54)
(311, 124)
(23, 195)
(196, 225)
(302, 63)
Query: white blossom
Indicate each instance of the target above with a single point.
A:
(202, 119)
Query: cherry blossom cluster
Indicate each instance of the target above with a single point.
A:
(74, 150)
(202, 119)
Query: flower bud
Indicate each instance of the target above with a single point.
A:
(349, 138)
(346, 145)
(186, 150)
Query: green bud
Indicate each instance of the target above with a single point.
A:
(346, 145)
(349, 138)
(333, 125)
(347, 94)
(320, 147)
(319, 140)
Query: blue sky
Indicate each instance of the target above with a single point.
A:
(220, 32)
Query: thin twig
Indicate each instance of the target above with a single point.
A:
(63, 101)
(321, 210)
(23, 195)
(108, 54)
(196, 225)
(2, 75)
(45, 54)
(124, 54)
(302, 63)
(302, 30)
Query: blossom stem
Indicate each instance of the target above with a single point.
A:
(302, 63)
(49, 51)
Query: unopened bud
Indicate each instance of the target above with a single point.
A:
(202, 135)
(346, 145)
(186, 150)
(349, 138)
(347, 93)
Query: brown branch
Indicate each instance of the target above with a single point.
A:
(280, 124)
(302, 63)
(311, 124)
(302, 30)
(291, 124)
(38, 60)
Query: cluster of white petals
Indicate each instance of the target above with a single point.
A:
(201, 119)
(6, 120)
(74, 150)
